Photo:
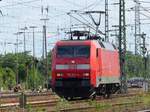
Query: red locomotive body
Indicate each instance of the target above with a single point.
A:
(85, 67)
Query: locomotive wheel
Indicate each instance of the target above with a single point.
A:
(106, 96)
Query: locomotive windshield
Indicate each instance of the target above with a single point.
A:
(73, 51)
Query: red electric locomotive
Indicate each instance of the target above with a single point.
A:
(83, 68)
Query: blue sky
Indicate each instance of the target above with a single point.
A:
(20, 13)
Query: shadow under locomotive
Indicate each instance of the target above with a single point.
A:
(73, 87)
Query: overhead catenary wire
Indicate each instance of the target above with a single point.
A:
(54, 13)
(72, 3)
(26, 3)
(85, 24)
(85, 20)
(90, 6)
(144, 2)
(19, 3)
(142, 6)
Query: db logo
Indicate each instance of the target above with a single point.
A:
(72, 66)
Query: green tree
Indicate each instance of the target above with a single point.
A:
(22, 64)
(35, 79)
(8, 61)
(134, 65)
(1, 78)
(8, 77)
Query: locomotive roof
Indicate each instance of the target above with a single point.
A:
(99, 44)
(106, 45)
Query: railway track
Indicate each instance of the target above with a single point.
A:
(36, 101)
(76, 108)
(93, 108)
(33, 103)
(148, 110)
(12, 94)
(44, 96)
(50, 100)
(101, 99)
(13, 99)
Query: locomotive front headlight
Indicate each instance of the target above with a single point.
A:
(86, 74)
(59, 74)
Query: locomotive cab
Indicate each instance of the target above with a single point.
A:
(71, 69)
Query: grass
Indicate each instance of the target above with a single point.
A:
(146, 99)
(99, 106)
(62, 104)
(131, 103)
(29, 108)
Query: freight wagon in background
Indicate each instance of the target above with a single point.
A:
(84, 68)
